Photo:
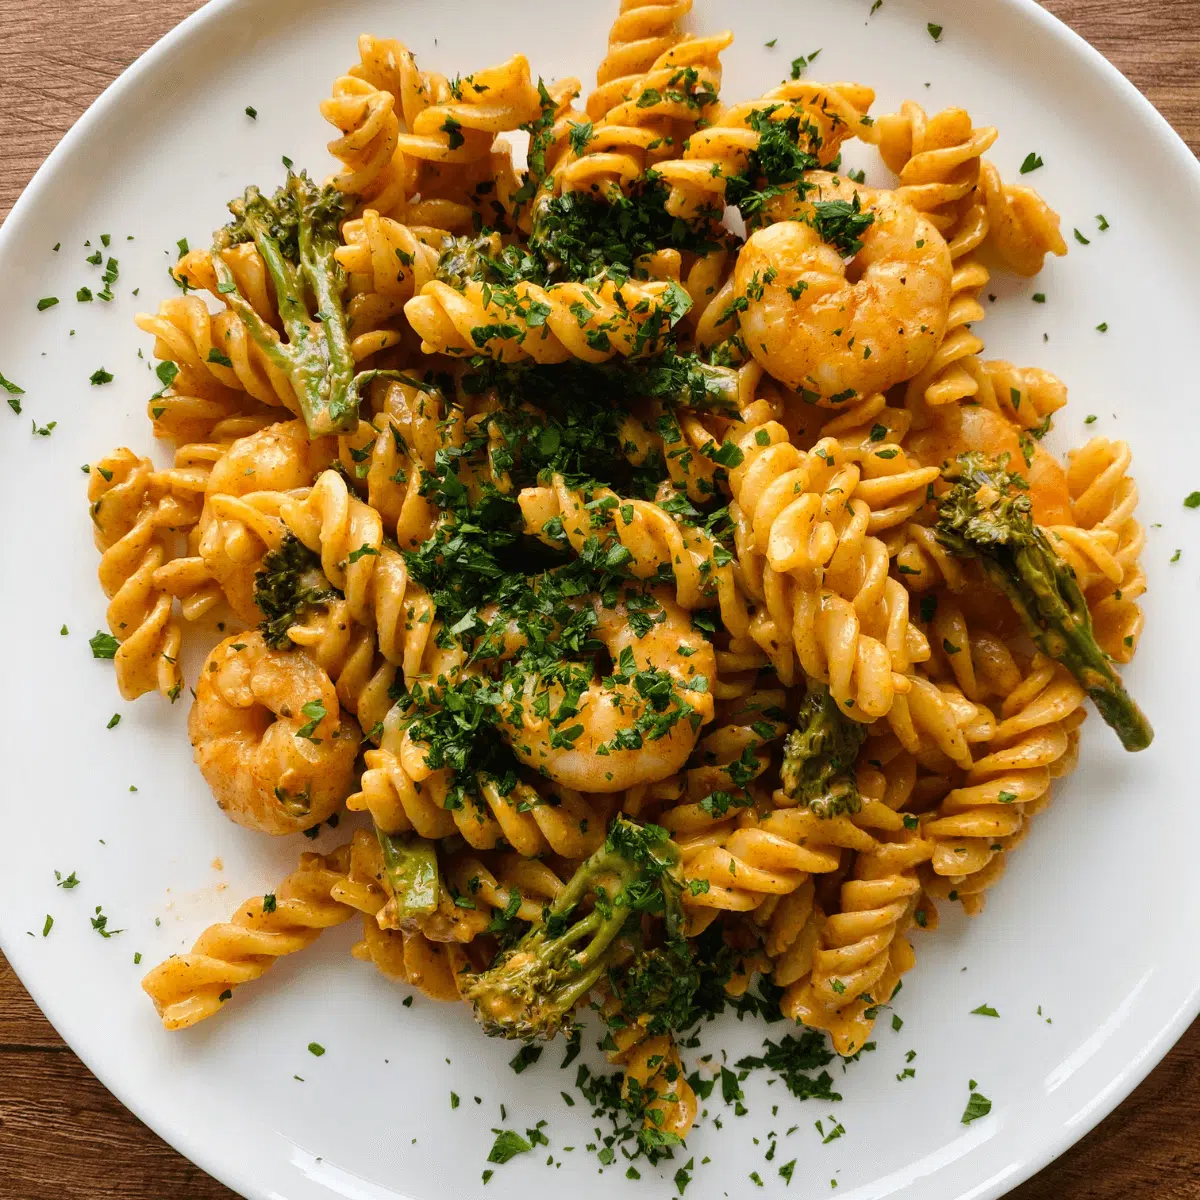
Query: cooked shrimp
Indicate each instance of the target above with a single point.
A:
(277, 458)
(960, 428)
(845, 330)
(270, 736)
(627, 731)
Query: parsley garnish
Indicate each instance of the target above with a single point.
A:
(508, 1145)
(977, 1106)
(103, 645)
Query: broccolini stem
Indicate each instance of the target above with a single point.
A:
(1049, 601)
(981, 518)
(532, 987)
(412, 872)
(358, 382)
(324, 276)
(319, 365)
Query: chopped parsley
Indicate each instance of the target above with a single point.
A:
(100, 925)
(508, 1145)
(103, 645)
(800, 63)
(977, 1106)
(1031, 163)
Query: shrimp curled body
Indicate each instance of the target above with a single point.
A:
(603, 756)
(818, 323)
(270, 737)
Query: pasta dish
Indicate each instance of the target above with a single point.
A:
(608, 502)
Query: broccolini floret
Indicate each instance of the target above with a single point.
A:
(819, 754)
(296, 232)
(987, 515)
(287, 587)
(532, 988)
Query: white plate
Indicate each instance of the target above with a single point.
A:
(1096, 921)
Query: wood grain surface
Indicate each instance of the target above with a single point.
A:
(62, 1136)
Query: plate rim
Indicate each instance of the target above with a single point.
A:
(1039, 21)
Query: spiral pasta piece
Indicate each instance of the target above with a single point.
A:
(233, 535)
(1025, 396)
(982, 819)
(389, 65)
(1022, 227)
(824, 583)
(936, 158)
(380, 595)
(373, 168)
(462, 126)
(650, 535)
(187, 988)
(1103, 501)
(643, 31)
(195, 269)
(861, 952)
(593, 321)
(654, 1078)
(216, 344)
(654, 113)
(829, 114)
(403, 794)
(130, 524)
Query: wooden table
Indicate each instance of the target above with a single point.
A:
(62, 1136)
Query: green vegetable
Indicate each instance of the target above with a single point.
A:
(839, 222)
(297, 231)
(793, 1058)
(508, 1145)
(103, 645)
(785, 151)
(819, 754)
(412, 873)
(986, 515)
(977, 1106)
(289, 584)
(532, 987)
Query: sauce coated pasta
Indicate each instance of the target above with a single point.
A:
(682, 606)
